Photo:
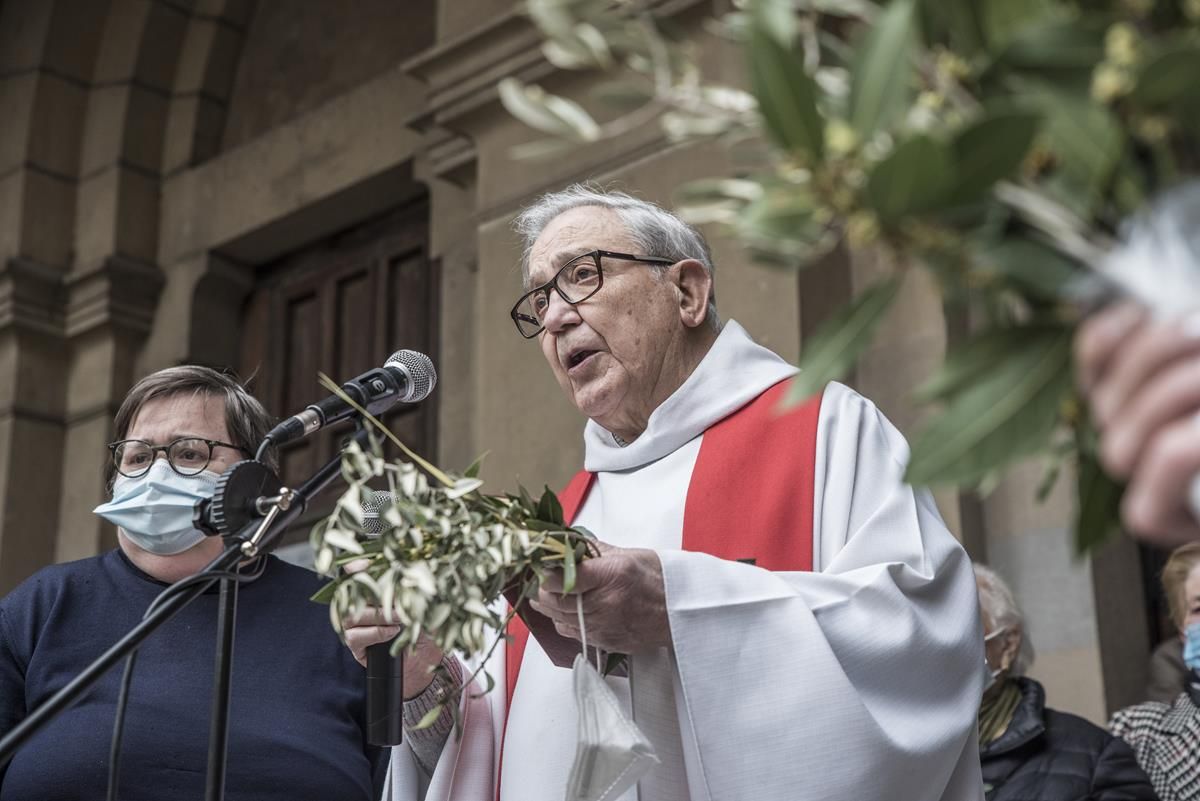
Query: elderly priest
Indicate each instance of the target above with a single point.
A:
(801, 625)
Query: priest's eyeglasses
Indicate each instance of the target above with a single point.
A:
(187, 456)
(575, 282)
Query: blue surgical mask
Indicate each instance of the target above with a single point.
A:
(155, 510)
(1191, 646)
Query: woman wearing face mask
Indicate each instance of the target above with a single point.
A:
(297, 727)
(1029, 752)
(1166, 736)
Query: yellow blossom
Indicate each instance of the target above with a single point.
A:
(862, 229)
(1109, 82)
(931, 100)
(1121, 44)
(1154, 128)
(951, 65)
(840, 138)
(1070, 410)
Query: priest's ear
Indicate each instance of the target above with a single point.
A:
(695, 287)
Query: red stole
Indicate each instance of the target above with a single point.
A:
(750, 497)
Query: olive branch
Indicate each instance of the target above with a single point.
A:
(999, 145)
(447, 555)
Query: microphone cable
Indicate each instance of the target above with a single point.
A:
(114, 748)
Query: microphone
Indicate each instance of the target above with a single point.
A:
(372, 512)
(385, 673)
(406, 377)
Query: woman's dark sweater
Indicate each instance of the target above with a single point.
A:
(297, 710)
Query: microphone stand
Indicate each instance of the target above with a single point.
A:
(254, 537)
(218, 732)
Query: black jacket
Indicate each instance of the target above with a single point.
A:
(1053, 756)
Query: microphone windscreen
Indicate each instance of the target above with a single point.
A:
(373, 508)
(422, 378)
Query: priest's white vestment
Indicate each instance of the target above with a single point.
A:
(858, 680)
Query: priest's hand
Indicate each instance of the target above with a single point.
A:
(1142, 380)
(624, 601)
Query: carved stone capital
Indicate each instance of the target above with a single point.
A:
(32, 297)
(451, 157)
(120, 294)
(462, 72)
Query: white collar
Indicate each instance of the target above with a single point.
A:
(735, 371)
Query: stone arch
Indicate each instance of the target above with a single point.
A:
(102, 99)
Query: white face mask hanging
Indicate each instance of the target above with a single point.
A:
(611, 752)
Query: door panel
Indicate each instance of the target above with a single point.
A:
(341, 307)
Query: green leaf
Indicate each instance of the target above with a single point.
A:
(837, 343)
(787, 96)
(1169, 77)
(1032, 267)
(1099, 503)
(781, 228)
(473, 470)
(989, 150)
(568, 570)
(1037, 46)
(325, 594)
(916, 177)
(1006, 414)
(546, 112)
(549, 509)
(542, 525)
(1049, 479)
(972, 360)
(1004, 20)
(958, 20)
(707, 190)
(880, 84)
(776, 19)
(622, 95)
(463, 486)
(554, 509)
(1087, 141)
(430, 718)
(526, 501)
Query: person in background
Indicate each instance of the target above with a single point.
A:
(1167, 675)
(297, 716)
(1141, 378)
(1029, 752)
(1166, 736)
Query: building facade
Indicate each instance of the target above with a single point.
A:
(292, 186)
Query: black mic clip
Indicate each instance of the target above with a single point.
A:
(237, 500)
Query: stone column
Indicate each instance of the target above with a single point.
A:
(32, 370)
(110, 311)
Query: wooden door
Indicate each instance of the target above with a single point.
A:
(341, 307)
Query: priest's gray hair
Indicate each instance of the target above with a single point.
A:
(1000, 607)
(656, 231)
